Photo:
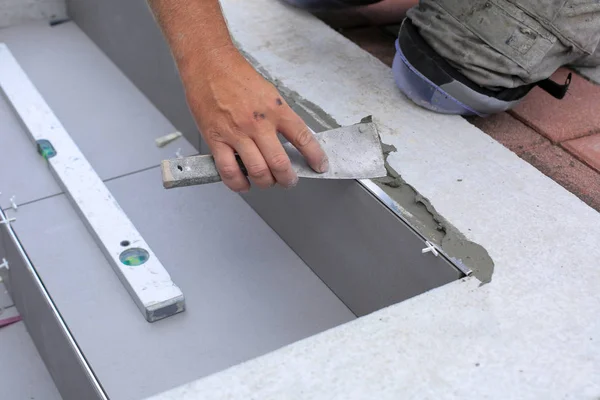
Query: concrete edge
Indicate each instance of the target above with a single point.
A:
(531, 327)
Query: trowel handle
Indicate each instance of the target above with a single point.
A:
(193, 170)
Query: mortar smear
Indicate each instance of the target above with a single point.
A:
(417, 209)
(423, 217)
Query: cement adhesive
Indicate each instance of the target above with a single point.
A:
(423, 217)
(417, 209)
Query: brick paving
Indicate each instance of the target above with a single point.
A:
(559, 120)
(561, 138)
(550, 159)
(587, 149)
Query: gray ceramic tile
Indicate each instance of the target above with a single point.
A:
(23, 172)
(247, 293)
(111, 121)
(5, 300)
(23, 375)
(127, 32)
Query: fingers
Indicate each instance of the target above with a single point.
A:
(229, 169)
(296, 131)
(277, 160)
(255, 164)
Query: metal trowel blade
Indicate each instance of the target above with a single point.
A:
(354, 153)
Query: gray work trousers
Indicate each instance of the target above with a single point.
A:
(509, 43)
(503, 43)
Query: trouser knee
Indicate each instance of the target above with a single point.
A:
(483, 56)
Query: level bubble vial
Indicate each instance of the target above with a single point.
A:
(45, 148)
(134, 257)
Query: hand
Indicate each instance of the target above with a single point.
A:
(237, 110)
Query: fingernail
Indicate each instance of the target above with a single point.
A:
(324, 167)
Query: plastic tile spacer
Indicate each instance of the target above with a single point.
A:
(7, 220)
(13, 203)
(430, 249)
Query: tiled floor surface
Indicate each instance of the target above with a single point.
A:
(561, 138)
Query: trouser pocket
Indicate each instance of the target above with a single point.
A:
(505, 28)
(575, 22)
(579, 22)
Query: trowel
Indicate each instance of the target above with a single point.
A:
(354, 153)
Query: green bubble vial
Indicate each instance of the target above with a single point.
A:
(45, 148)
(134, 257)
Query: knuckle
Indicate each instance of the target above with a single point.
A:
(303, 138)
(245, 127)
(241, 141)
(257, 171)
(249, 130)
(229, 172)
(251, 122)
(215, 136)
(280, 163)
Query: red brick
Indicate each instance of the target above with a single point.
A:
(587, 149)
(551, 160)
(559, 120)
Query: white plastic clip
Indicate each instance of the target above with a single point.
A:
(430, 249)
(7, 221)
(178, 153)
(165, 140)
(13, 203)
(4, 264)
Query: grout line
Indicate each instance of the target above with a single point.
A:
(527, 124)
(40, 199)
(105, 181)
(578, 157)
(539, 131)
(131, 173)
(590, 133)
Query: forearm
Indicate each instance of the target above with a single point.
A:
(195, 30)
(237, 111)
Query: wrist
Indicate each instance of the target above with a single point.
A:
(207, 64)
